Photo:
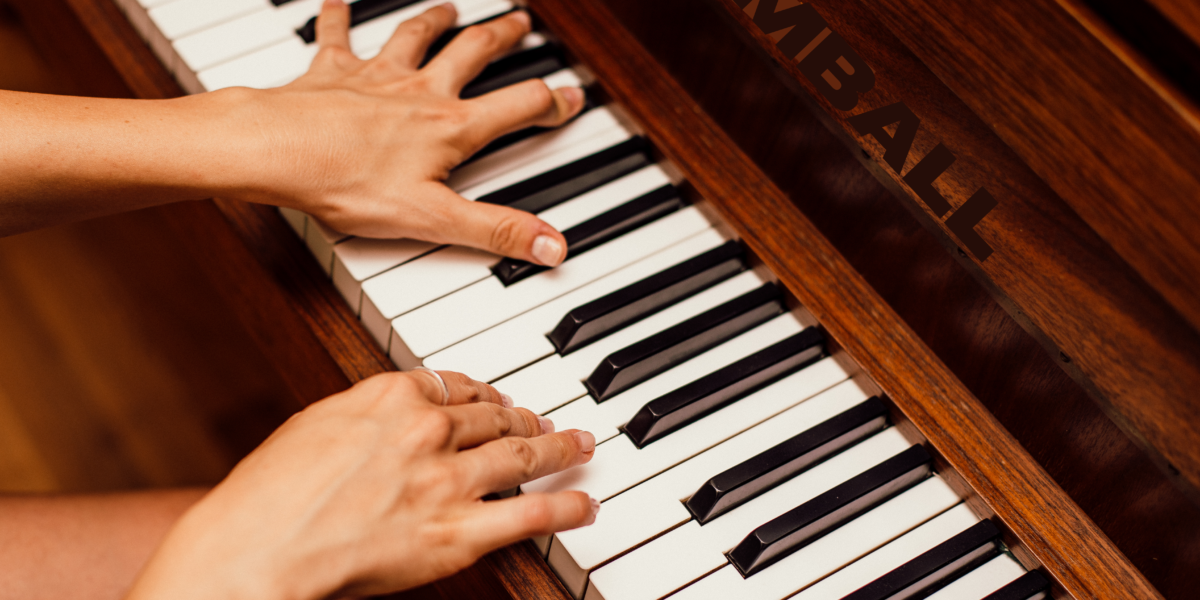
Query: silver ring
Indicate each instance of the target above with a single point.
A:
(445, 390)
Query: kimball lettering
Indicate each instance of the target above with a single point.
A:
(840, 75)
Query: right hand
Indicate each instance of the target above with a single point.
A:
(372, 491)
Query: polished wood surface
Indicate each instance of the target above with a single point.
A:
(1147, 516)
(1069, 285)
(933, 355)
(120, 369)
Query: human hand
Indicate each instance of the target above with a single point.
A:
(380, 136)
(370, 491)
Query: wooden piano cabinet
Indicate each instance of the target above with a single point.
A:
(881, 286)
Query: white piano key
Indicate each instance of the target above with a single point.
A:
(183, 17)
(596, 143)
(321, 239)
(620, 465)
(847, 543)
(890, 557)
(590, 124)
(286, 57)
(524, 338)
(603, 418)
(655, 505)
(259, 29)
(556, 380)
(153, 3)
(984, 580)
(367, 39)
(564, 78)
(688, 552)
(448, 270)
(487, 303)
(295, 219)
(358, 259)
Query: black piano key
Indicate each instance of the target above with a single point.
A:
(935, 568)
(808, 522)
(360, 12)
(533, 63)
(642, 360)
(715, 390)
(509, 139)
(743, 482)
(598, 230)
(1030, 586)
(553, 187)
(600, 317)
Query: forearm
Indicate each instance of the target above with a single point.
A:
(67, 158)
(87, 547)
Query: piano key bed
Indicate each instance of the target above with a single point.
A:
(736, 458)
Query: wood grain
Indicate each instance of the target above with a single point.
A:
(1118, 338)
(1007, 369)
(1078, 555)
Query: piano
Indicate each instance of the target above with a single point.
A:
(863, 300)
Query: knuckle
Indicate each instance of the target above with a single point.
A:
(539, 95)
(506, 235)
(500, 421)
(420, 27)
(480, 36)
(524, 457)
(437, 427)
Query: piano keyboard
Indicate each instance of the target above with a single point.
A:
(735, 458)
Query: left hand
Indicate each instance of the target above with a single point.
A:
(369, 143)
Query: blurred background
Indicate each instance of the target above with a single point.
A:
(121, 366)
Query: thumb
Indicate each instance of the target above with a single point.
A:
(502, 230)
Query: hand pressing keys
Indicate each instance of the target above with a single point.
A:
(363, 145)
(397, 124)
(371, 491)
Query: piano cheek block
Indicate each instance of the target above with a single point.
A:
(744, 481)
(707, 394)
(809, 521)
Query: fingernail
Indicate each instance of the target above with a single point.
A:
(522, 17)
(546, 424)
(548, 251)
(506, 401)
(587, 441)
(595, 508)
(573, 96)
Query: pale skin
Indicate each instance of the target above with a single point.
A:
(379, 488)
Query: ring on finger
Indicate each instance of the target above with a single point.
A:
(445, 390)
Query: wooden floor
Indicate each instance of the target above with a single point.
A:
(120, 366)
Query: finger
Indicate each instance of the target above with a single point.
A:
(333, 25)
(450, 219)
(502, 522)
(511, 461)
(464, 390)
(465, 57)
(408, 44)
(478, 424)
(519, 106)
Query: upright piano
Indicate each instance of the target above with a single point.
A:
(882, 299)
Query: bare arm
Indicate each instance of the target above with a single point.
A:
(363, 145)
(83, 547)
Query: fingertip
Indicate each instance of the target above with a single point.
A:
(522, 18)
(548, 250)
(546, 425)
(333, 4)
(573, 97)
(586, 442)
(449, 6)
